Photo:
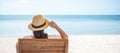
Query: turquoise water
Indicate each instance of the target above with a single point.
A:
(15, 25)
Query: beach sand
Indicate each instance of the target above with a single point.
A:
(77, 44)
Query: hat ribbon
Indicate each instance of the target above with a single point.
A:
(38, 26)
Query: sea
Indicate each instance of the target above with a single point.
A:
(17, 25)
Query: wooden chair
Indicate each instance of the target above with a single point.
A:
(32, 45)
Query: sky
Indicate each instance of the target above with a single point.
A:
(59, 7)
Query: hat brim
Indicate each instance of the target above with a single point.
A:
(37, 29)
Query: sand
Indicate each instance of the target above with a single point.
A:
(77, 44)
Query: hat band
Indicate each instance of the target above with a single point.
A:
(38, 26)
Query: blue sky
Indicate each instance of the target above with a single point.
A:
(59, 7)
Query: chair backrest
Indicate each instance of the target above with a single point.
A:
(32, 45)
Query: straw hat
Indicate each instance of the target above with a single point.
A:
(38, 23)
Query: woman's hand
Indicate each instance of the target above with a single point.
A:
(53, 24)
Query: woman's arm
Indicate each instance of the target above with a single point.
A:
(54, 25)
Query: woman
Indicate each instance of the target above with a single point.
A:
(39, 24)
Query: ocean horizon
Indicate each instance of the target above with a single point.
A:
(72, 24)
